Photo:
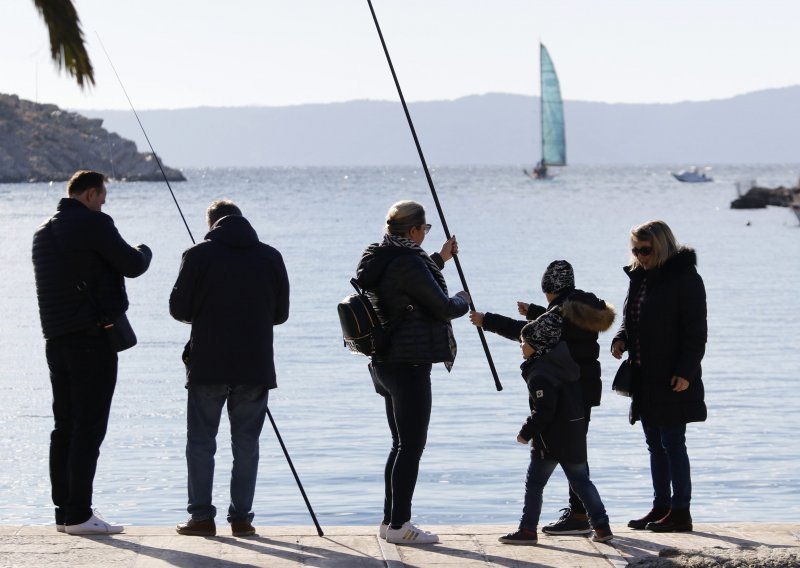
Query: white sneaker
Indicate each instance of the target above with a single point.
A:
(95, 525)
(410, 534)
(382, 530)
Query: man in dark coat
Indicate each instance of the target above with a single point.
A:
(80, 263)
(233, 289)
(584, 316)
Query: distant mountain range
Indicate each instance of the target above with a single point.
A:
(502, 129)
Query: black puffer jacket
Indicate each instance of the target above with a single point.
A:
(584, 316)
(78, 244)
(557, 423)
(672, 335)
(408, 299)
(233, 289)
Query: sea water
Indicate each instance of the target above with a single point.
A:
(744, 458)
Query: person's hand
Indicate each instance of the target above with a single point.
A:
(522, 307)
(618, 348)
(476, 318)
(464, 296)
(521, 440)
(679, 384)
(449, 248)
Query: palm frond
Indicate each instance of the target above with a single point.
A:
(67, 47)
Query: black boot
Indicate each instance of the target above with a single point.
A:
(678, 520)
(655, 514)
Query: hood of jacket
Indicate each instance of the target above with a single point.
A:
(557, 365)
(233, 231)
(683, 261)
(374, 261)
(588, 312)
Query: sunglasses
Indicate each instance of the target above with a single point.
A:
(643, 251)
(426, 227)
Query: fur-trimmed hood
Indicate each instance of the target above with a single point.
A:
(588, 312)
(684, 260)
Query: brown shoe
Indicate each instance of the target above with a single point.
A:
(206, 527)
(242, 528)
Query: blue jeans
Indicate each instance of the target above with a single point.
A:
(83, 374)
(406, 390)
(669, 465)
(539, 471)
(247, 407)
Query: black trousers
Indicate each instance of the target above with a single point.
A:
(83, 374)
(406, 390)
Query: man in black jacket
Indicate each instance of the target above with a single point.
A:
(80, 263)
(232, 289)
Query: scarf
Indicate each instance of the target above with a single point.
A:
(400, 241)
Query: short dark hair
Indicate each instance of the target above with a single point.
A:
(83, 180)
(219, 209)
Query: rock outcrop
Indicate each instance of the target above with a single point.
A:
(40, 142)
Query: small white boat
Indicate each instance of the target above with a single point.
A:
(692, 175)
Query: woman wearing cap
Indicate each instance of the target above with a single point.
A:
(409, 294)
(664, 331)
(555, 429)
(584, 316)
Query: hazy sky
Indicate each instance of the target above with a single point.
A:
(187, 53)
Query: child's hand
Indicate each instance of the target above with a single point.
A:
(476, 318)
(522, 307)
(521, 440)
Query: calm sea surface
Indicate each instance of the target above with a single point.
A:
(745, 458)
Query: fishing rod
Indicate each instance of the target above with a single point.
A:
(146, 137)
(433, 191)
(269, 414)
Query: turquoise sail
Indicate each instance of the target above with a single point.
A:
(554, 143)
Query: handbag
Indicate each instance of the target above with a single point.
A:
(120, 334)
(622, 380)
(118, 331)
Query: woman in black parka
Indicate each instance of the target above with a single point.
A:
(664, 331)
(409, 294)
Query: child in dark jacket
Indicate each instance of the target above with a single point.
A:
(584, 315)
(556, 427)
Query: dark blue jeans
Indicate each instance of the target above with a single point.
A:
(575, 504)
(247, 407)
(83, 375)
(406, 390)
(539, 471)
(669, 465)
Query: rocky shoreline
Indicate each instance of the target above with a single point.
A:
(42, 143)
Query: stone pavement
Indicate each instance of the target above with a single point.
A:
(462, 546)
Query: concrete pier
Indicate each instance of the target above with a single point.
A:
(463, 546)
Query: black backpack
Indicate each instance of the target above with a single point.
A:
(361, 330)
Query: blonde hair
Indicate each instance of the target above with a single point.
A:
(661, 238)
(403, 216)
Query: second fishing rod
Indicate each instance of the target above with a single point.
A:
(497, 383)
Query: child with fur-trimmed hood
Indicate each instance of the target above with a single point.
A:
(556, 427)
(584, 317)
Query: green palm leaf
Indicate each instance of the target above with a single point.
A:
(66, 39)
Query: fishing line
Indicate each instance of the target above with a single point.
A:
(433, 191)
(146, 137)
(269, 414)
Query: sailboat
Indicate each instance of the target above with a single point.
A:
(551, 112)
